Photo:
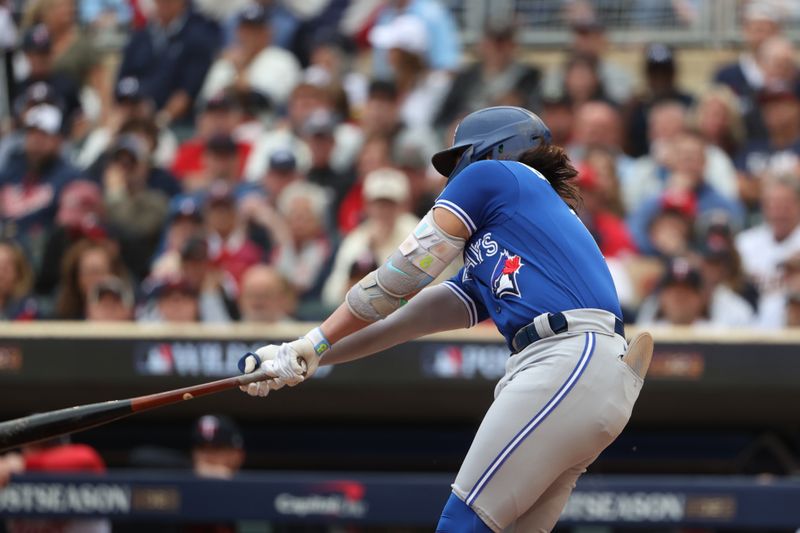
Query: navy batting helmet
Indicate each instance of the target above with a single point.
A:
(504, 132)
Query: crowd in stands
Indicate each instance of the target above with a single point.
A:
(249, 160)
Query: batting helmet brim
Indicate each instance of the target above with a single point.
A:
(445, 161)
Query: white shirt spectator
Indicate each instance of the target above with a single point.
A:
(761, 254)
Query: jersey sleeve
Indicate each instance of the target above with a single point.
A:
(475, 309)
(484, 192)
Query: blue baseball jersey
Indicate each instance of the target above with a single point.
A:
(528, 252)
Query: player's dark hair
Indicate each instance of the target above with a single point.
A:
(553, 163)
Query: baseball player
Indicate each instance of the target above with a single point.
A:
(532, 267)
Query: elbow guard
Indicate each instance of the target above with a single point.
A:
(418, 261)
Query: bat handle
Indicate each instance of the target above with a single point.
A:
(261, 374)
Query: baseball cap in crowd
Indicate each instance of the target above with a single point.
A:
(222, 144)
(185, 207)
(40, 92)
(37, 39)
(683, 203)
(170, 285)
(128, 89)
(680, 271)
(282, 160)
(254, 14)
(217, 431)
(659, 56)
(386, 184)
(405, 32)
(79, 199)
(44, 117)
(112, 286)
(319, 122)
(219, 102)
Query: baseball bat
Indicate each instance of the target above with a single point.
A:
(52, 424)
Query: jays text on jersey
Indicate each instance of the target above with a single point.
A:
(528, 252)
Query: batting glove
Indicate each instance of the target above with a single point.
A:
(298, 360)
(251, 362)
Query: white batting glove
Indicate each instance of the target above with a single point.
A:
(298, 360)
(253, 361)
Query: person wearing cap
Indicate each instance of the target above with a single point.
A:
(217, 447)
(266, 296)
(589, 38)
(216, 289)
(386, 195)
(679, 299)
(670, 229)
(660, 71)
(170, 299)
(253, 62)
(497, 77)
(221, 161)
(686, 177)
(229, 244)
(33, 178)
(765, 247)
(218, 116)
(110, 300)
(421, 91)
(443, 51)
(761, 19)
(318, 133)
(281, 172)
(129, 103)
(136, 212)
(37, 47)
(170, 57)
(184, 220)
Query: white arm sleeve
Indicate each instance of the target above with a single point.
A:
(434, 309)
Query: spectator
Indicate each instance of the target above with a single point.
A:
(38, 51)
(230, 248)
(589, 38)
(147, 134)
(266, 297)
(381, 114)
(331, 62)
(221, 162)
(184, 221)
(779, 152)
(679, 297)
(777, 60)
(421, 91)
(170, 58)
(318, 134)
(411, 153)
(718, 118)
(305, 251)
(604, 163)
(666, 125)
(582, 81)
(53, 456)
(81, 214)
(386, 195)
(216, 289)
(444, 50)
(254, 63)
(136, 213)
(16, 282)
(671, 223)
(173, 300)
(111, 300)
(33, 178)
(74, 53)
(281, 173)
(660, 71)
(764, 247)
(559, 116)
(219, 116)
(85, 264)
(793, 310)
(687, 177)
(760, 21)
(36, 94)
(497, 77)
(375, 154)
(217, 447)
(129, 104)
(608, 229)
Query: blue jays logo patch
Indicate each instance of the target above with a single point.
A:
(504, 277)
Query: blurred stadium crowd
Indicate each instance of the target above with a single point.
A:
(169, 160)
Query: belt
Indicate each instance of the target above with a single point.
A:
(557, 323)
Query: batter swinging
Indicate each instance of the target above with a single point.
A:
(532, 267)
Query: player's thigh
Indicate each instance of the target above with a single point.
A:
(554, 414)
(543, 515)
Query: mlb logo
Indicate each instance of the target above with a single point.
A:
(504, 276)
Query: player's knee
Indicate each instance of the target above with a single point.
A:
(458, 517)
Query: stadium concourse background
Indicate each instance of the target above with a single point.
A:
(184, 180)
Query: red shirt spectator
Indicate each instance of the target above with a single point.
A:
(608, 229)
